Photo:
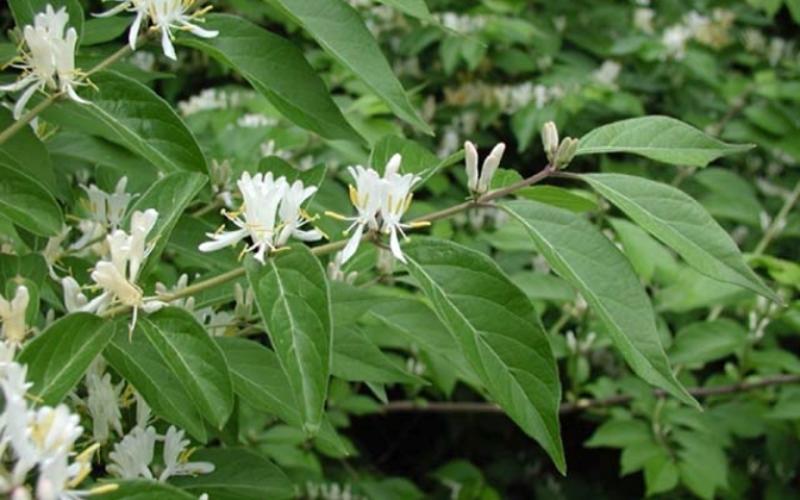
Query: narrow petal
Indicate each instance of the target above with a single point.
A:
(133, 34)
(219, 241)
(352, 244)
(202, 33)
(19, 107)
(113, 11)
(394, 244)
(74, 95)
(166, 45)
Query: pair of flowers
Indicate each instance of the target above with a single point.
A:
(272, 211)
(270, 215)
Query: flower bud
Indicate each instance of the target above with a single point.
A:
(566, 152)
(550, 140)
(490, 165)
(471, 161)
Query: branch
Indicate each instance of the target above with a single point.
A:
(583, 404)
(335, 246)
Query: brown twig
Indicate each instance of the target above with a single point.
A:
(583, 404)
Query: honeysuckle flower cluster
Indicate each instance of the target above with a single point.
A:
(271, 214)
(480, 184)
(164, 16)
(12, 316)
(381, 203)
(39, 439)
(132, 457)
(49, 61)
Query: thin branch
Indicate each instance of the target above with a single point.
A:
(335, 246)
(583, 404)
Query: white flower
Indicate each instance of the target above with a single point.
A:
(367, 196)
(381, 202)
(131, 457)
(262, 194)
(53, 250)
(103, 404)
(674, 40)
(50, 59)
(481, 184)
(176, 457)
(185, 303)
(643, 19)
(165, 16)
(607, 73)
(293, 217)
(395, 204)
(117, 276)
(266, 200)
(12, 314)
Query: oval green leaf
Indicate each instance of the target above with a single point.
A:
(293, 299)
(59, 356)
(339, 29)
(499, 333)
(239, 473)
(659, 138)
(138, 362)
(580, 253)
(25, 202)
(128, 113)
(680, 222)
(170, 196)
(278, 70)
(194, 358)
(259, 379)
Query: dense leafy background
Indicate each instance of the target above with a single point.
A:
(632, 274)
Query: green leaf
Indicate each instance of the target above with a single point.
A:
(619, 433)
(559, 197)
(339, 29)
(681, 223)
(649, 258)
(294, 301)
(660, 474)
(194, 358)
(145, 490)
(702, 463)
(27, 203)
(239, 473)
(124, 111)
(27, 154)
(25, 10)
(659, 138)
(356, 358)
(707, 341)
(259, 379)
(59, 356)
(138, 362)
(497, 330)
(580, 253)
(277, 69)
(170, 196)
(415, 8)
(104, 29)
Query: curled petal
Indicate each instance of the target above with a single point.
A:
(198, 31)
(222, 240)
(166, 44)
(394, 245)
(352, 245)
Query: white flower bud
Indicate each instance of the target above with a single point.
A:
(490, 165)
(471, 160)
(550, 140)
